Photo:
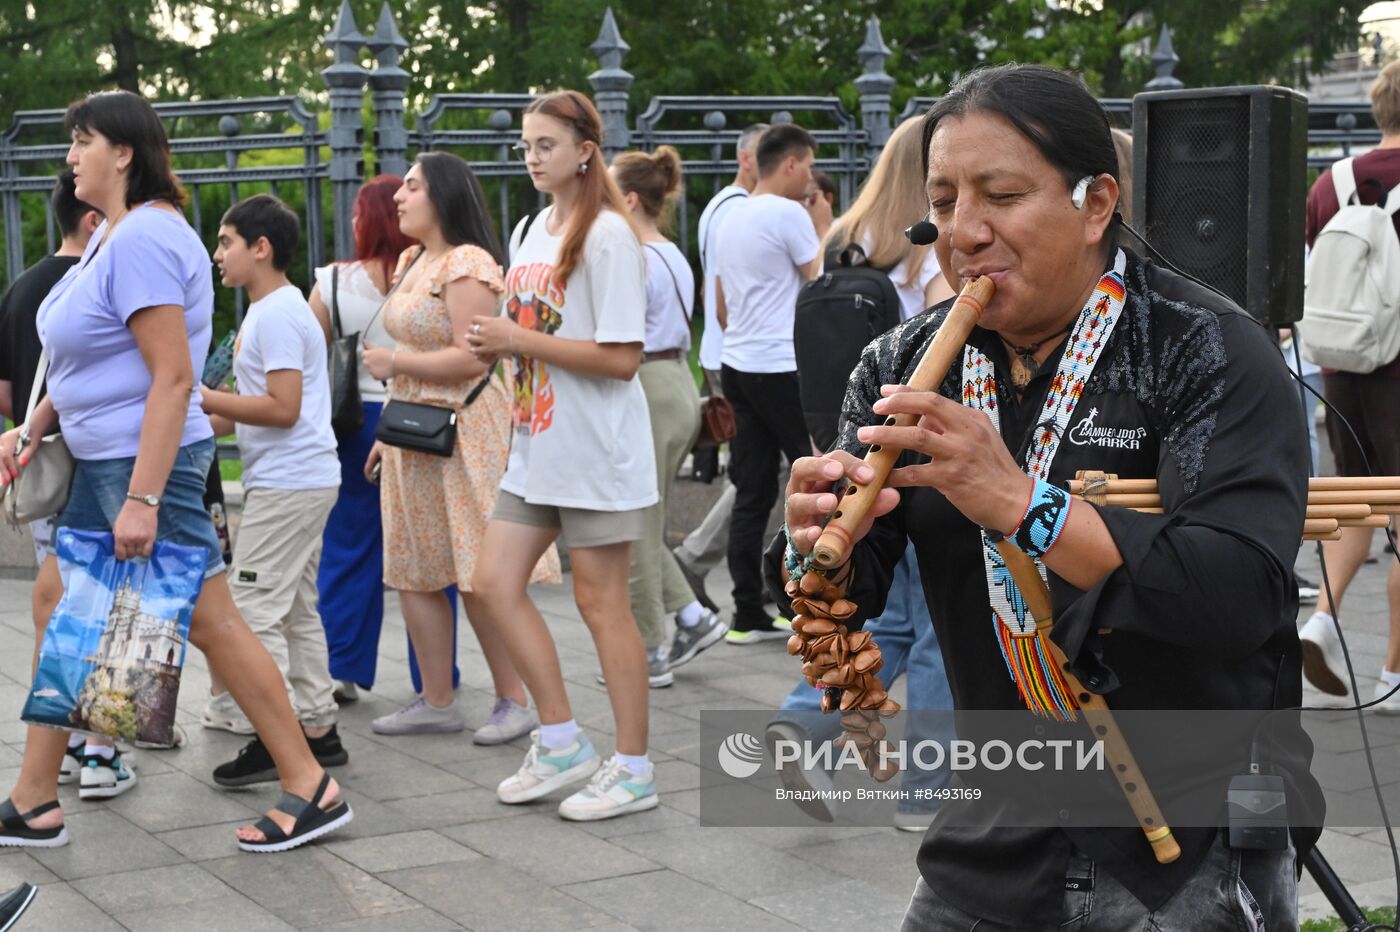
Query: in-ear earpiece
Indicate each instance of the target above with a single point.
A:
(1081, 191)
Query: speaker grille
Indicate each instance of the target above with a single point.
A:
(1198, 186)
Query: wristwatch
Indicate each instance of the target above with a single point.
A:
(152, 500)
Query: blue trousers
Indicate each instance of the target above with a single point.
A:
(910, 646)
(351, 578)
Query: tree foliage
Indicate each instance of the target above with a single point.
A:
(58, 50)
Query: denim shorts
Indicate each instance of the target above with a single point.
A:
(99, 493)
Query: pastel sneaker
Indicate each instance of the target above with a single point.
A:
(509, 720)
(102, 778)
(614, 790)
(421, 717)
(545, 771)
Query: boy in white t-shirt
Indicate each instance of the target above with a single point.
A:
(291, 477)
(767, 248)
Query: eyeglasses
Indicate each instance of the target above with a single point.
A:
(543, 149)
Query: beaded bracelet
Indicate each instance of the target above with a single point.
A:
(1044, 520)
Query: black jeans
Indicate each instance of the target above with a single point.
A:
(1230, 891)
(769, 424)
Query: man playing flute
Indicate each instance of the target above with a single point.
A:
(1087, 357)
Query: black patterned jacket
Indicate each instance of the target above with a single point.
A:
(1191, 391)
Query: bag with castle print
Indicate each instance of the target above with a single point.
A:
(111, 656)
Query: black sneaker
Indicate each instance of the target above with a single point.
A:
(252, 765)
(328, 749)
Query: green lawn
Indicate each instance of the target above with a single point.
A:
(230, 470)
(1383, 916)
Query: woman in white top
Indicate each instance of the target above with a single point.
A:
(651, 184)
(351, 578)
(891, 200)
(581, 463)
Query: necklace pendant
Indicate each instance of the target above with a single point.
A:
(1021, 372)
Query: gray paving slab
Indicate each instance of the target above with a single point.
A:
(315, 887)
(220, 914)
(153, 888)
(59, 906)
(420, 919)
(841, 905)
(550, 849)
(665, 901)
(103, 843)
(488, 895)
(176, 800)
(396, 852)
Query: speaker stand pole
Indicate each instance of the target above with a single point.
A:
(1353, 919)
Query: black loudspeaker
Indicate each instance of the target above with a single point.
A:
(1220, 189)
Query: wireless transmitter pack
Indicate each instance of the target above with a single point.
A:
(1257, 812)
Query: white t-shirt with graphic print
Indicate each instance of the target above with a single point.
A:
(580, 441)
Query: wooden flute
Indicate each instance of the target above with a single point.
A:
(1095, 711)
(855, 502)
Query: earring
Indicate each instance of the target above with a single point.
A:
(583, 168)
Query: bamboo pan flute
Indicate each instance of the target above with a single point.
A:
(1334, 502)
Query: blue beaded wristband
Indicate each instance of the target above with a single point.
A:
(1043, 521)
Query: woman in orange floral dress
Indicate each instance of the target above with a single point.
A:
(435, 508)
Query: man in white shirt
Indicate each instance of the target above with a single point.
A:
(702, 549)
(766, 250)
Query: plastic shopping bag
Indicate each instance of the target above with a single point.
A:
(111, 657)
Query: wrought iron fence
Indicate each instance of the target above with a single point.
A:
(230, 148)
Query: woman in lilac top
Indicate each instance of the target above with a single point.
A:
(126, 330)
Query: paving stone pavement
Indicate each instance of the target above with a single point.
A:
(431, 848)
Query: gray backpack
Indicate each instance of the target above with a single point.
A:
(1351, 297)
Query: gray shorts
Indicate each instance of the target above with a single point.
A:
(578, 527)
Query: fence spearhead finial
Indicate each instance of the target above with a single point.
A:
(387, 44)
(609, 48)
(873, 52)
(345, 39)
(1164, 62)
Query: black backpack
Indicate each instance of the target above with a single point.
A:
(838, 313)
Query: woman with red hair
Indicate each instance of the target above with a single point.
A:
(352, 559)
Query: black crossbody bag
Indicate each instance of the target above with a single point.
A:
(423, 428)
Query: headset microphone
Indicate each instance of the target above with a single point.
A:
(922, 233)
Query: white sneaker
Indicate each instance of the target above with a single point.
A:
(1391, 705)
(509, 720)
(545, 771)
(614, 790)
(102, 778)
(1323, 662)
(421, 717)
(223, 714)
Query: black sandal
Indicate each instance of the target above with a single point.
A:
(311, 821)
(16, 833)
